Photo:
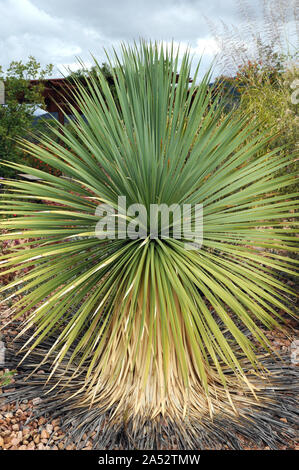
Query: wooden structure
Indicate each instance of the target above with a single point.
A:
(57, 94)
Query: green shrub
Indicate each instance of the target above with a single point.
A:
(143, 324)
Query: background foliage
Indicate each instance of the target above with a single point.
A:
(17, 116)
(259, 65)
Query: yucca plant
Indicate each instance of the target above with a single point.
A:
(145, 334)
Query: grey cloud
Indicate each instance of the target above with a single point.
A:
(58, 30)
(118, 19)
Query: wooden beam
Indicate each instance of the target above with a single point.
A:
(60, 117)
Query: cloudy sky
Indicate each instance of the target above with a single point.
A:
(56, 31)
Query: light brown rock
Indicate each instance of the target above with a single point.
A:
(36, 401)
(49, 428)
(44, 434)
(15, 441)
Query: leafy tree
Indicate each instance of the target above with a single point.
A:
(21, 100)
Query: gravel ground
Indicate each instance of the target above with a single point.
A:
(20, 430)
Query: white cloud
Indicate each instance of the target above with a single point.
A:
(56, 31)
